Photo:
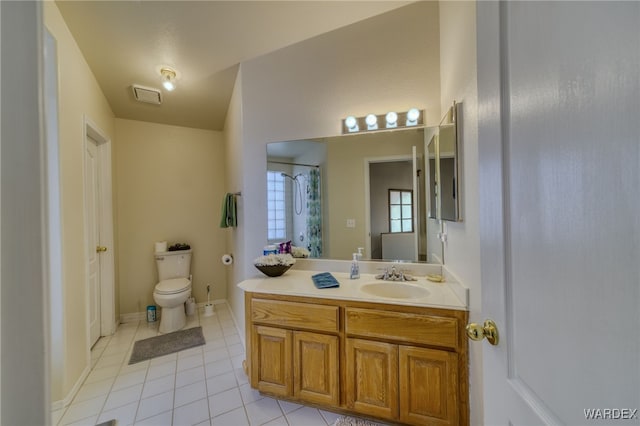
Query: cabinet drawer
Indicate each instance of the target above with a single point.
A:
(306, 316)
(402, 327)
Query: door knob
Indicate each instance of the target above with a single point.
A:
(100, 249)
(489, 330)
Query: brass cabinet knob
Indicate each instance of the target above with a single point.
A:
(489, 330)
(100, 249)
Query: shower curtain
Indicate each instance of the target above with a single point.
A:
(314, 214)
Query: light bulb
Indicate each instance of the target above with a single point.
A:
(168, 78)
(351, 123)
(412, 116)
(168, 84)
(372, 122)
(392, 119)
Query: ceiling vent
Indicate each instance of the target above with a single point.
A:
(147, 94)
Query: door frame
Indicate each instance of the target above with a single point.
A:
(107, 259)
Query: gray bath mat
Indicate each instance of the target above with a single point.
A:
(166, 344)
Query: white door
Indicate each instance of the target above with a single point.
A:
(92, 206)
(559, 161)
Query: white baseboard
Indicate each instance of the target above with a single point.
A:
(140, 316)
(57, 405)
(241, 333)
(132, 317)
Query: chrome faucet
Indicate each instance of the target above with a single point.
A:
(394, 275)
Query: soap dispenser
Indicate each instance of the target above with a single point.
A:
(355, 268)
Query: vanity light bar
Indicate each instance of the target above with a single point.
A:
(391, 120)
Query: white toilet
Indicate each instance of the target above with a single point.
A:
(173, 289)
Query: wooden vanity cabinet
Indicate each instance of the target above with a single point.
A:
(372, 378)
(271, 360)
(428, 380)
(415, 385)
(296, 363)
(398, 363)
(315, 368)
(421, 383)
(287, 362)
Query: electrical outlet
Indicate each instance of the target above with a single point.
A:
(351, 223)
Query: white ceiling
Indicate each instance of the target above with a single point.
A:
(125, 43)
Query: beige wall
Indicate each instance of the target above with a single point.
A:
(303, 91)
(462, 251)
(170, 185)
(234, 178)
(79, 95)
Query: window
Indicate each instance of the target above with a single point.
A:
(400, 210)
(276, 212)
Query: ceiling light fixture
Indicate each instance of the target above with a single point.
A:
(168, 78)
(391, 120)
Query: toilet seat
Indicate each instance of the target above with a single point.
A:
(173, 286)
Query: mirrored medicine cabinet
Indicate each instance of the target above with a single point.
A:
(445, 161)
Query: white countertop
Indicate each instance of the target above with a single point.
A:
(296, 282)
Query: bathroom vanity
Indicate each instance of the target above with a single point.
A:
(360, 348)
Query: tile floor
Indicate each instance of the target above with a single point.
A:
(200, 386)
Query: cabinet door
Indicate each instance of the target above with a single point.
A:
(315, 368)
(428, 386)
(271, 361)
(372, 378)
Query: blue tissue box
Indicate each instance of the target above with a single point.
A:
(325, 280)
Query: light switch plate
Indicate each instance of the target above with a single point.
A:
(351, 223)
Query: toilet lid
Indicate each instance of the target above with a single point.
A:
(174, 285)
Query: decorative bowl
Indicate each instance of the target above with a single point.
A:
(273, 270)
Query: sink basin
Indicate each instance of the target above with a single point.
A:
(394, 290)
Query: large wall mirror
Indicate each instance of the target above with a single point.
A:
(381, 192)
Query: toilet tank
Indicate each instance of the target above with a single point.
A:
(173, 264)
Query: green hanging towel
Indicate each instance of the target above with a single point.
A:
(229, 218)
